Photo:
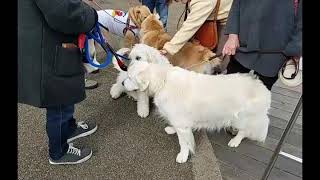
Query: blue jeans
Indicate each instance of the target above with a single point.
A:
(60, 125)
(161, 8)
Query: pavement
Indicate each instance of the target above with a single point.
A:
(125, 146)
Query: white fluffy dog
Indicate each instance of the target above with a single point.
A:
(145, 53)
(190, 100)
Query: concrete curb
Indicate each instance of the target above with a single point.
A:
(204, 163)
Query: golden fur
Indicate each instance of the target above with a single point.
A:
(192, 55)
(152, 32)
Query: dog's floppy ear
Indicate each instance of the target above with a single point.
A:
(142, 81)
(133, 15)
(138, 70)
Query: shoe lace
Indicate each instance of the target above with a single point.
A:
(83, 125)
(73, 150)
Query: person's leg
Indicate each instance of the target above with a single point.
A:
(162, 9)
(60, 124)
(150, 4)
(235, 67)
(80, 129)
(267, 81)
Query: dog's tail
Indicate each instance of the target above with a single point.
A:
(122, 52)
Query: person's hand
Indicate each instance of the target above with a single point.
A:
(163, 52)
(231, 45)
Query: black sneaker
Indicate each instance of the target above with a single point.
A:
(83, 129)
(73, 156)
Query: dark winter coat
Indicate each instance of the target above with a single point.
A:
(49, 74)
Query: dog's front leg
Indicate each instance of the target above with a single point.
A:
(187, 144)
(116, 90)
(143, 104)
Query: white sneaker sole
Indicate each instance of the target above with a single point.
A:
(68, 163)
(83, 134)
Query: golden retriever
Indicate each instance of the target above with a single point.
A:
(192, 56)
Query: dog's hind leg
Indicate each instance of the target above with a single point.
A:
(257, 129)
(143, 104)
(234, 142)
(187, 144)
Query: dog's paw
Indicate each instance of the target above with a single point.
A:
(143, 111)
(234, 142)
(115, 92)
(170, 130)
(182, 157)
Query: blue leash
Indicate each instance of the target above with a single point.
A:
(96, 35)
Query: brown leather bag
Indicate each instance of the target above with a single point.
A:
(207, 35)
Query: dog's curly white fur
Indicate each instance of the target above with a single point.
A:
(140, 54)
(190, 100)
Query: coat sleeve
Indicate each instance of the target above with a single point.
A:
(68, 16)
(294, 47)
(200, 10)
(233, 25)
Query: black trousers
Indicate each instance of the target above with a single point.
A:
(235, 67)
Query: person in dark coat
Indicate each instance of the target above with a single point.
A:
(50, 70)
(264, 25)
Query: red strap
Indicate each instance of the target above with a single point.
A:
(81, 40)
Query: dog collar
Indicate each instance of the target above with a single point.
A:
(129, 27)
